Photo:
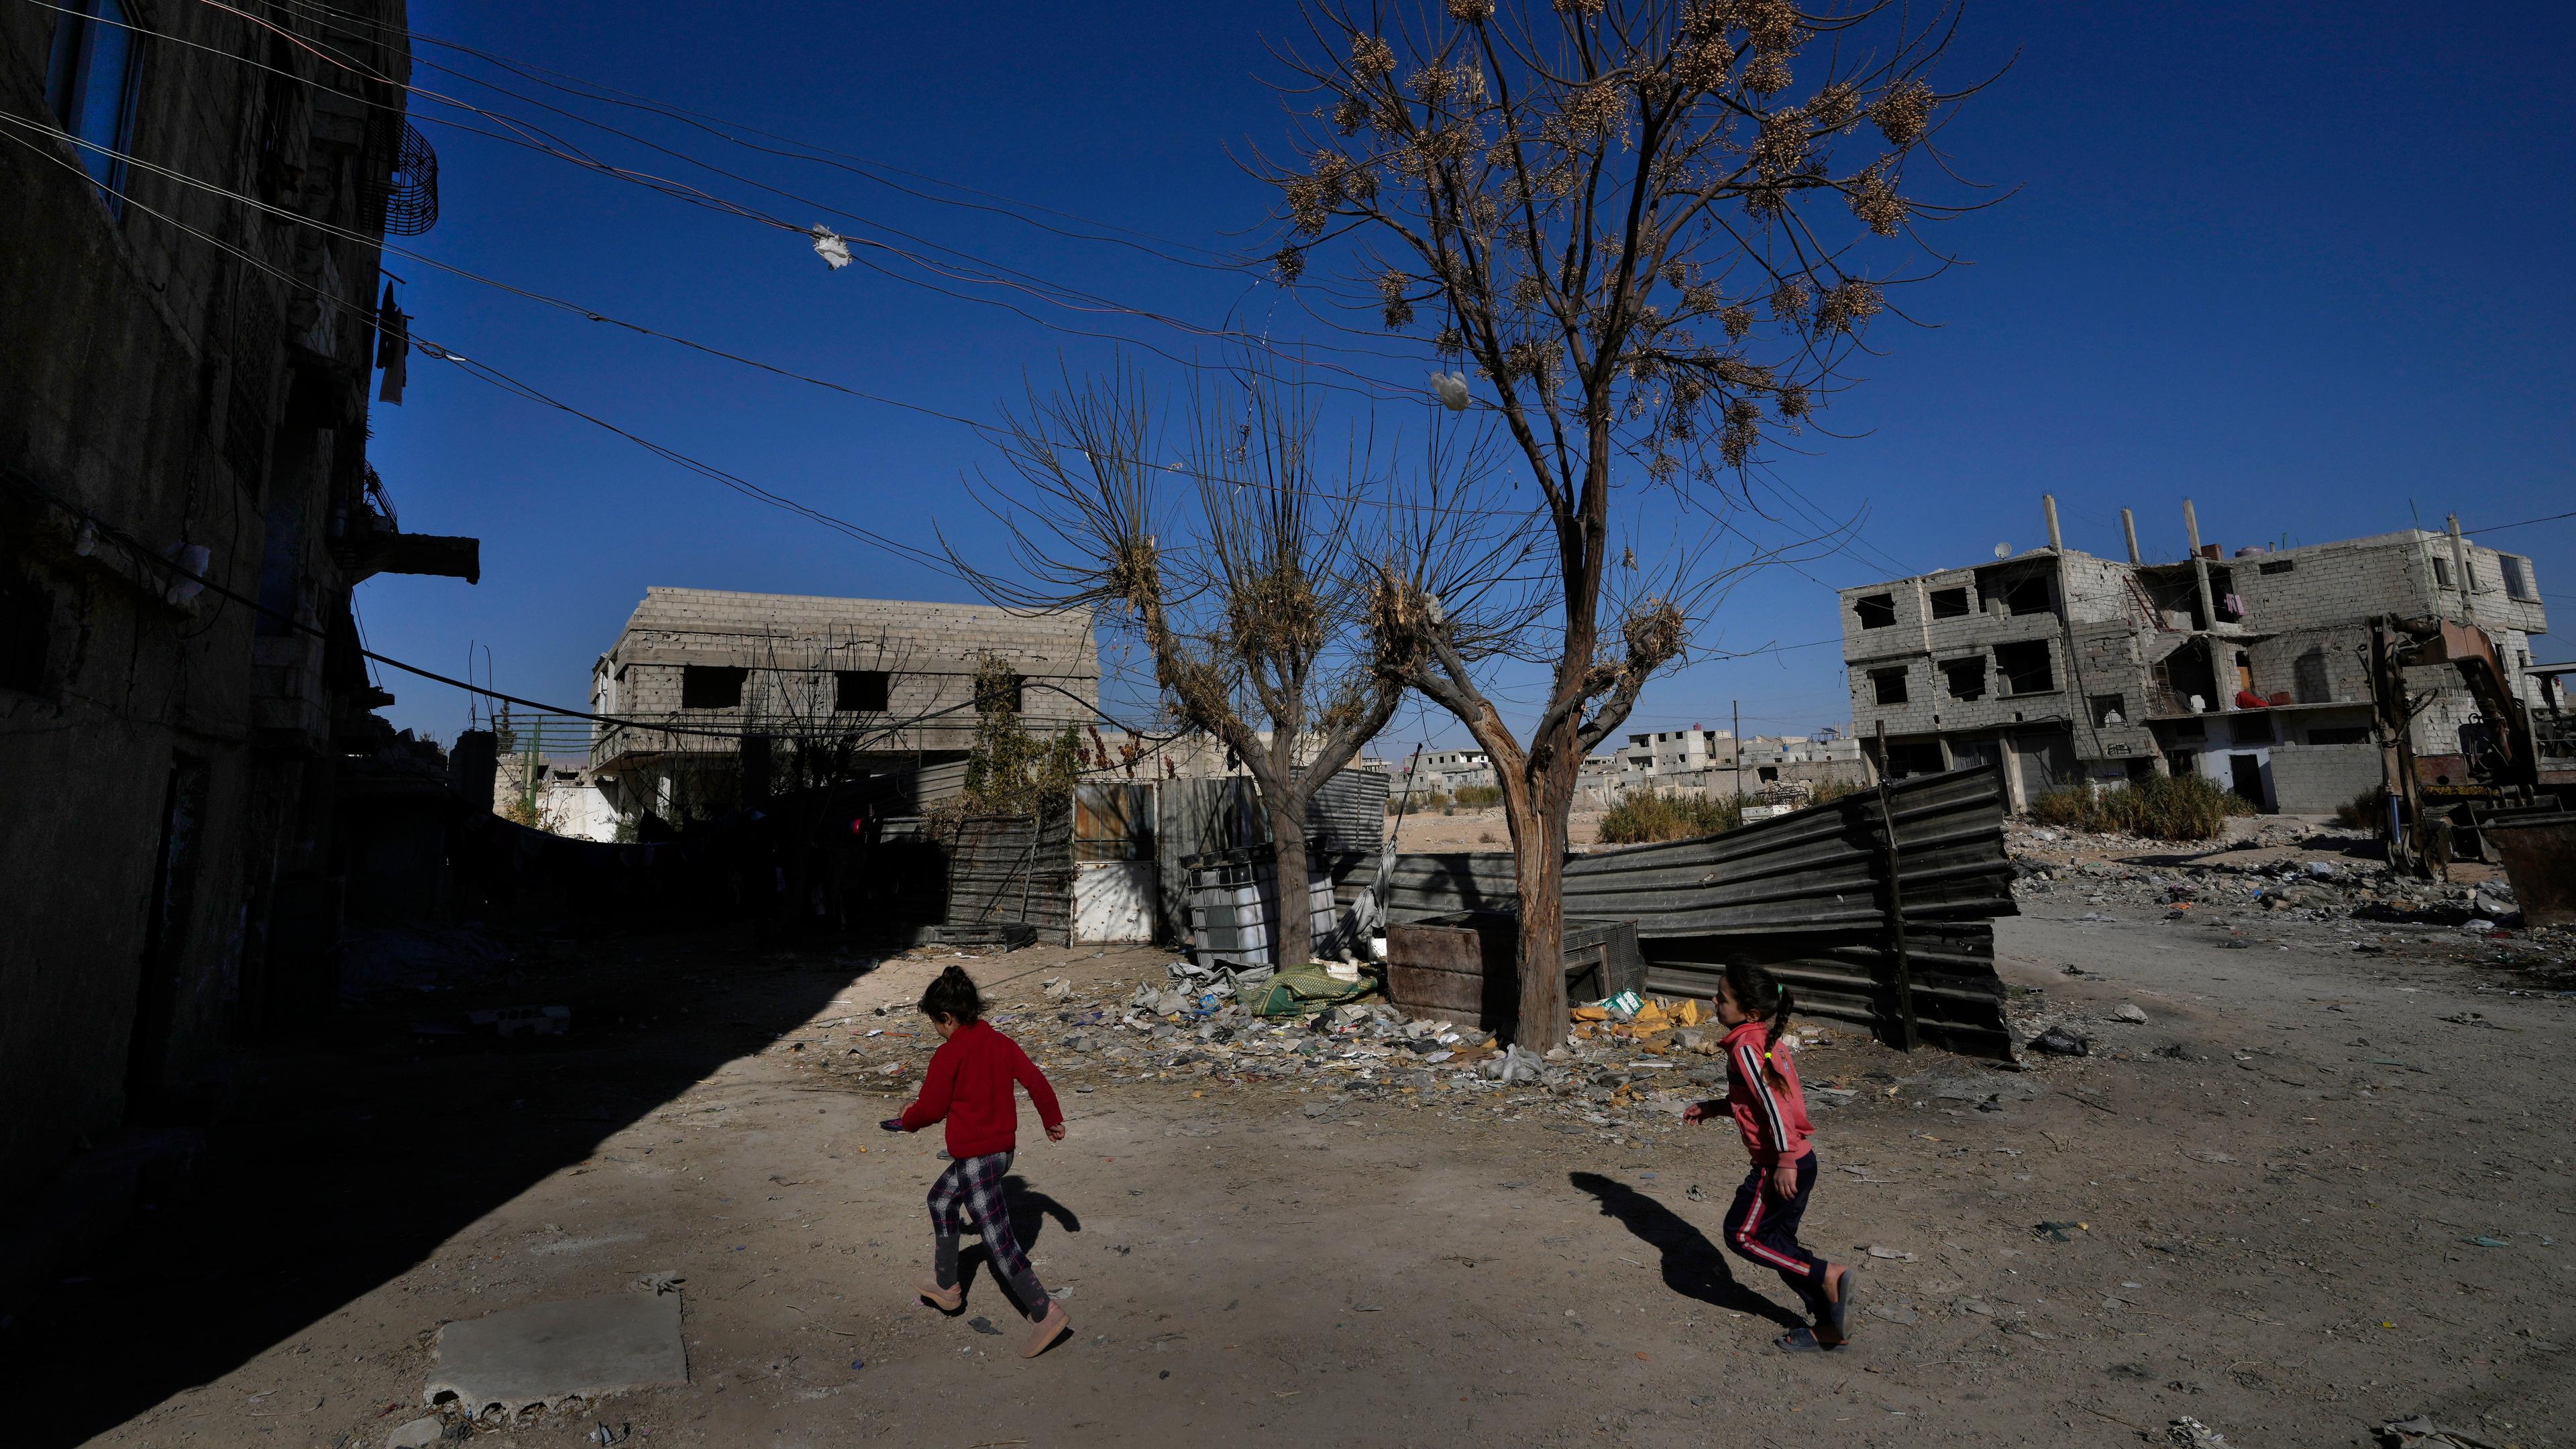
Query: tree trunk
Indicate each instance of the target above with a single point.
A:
(1294, 931)
(1538, 840)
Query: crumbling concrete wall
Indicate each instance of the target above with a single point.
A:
(159, 395)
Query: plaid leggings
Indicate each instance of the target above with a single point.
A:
(969, 1193)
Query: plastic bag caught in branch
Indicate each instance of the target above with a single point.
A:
(1451, 389)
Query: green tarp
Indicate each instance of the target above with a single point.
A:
(1301, 990)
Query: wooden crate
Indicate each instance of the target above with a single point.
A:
(1461, 967)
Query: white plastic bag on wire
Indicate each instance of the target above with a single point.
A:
(828, 245)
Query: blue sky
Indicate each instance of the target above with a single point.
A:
(2304, 264)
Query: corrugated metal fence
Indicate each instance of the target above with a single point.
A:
(1806, 893)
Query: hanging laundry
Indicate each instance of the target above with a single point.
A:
(1451, 388)
(834, 251)
(393, 347)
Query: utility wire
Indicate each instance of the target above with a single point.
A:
(984, 430)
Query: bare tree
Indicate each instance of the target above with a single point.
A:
(1248, 603)
(1642, 222)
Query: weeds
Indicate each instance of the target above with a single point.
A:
(2363, 811)
(1479, 797)
(2167, 807)
(1641, 816)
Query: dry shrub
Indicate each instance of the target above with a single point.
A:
(1641, 816)
(2364, 811)
(1479, 797)
(2167, 807)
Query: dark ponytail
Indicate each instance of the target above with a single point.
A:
(953, 995)
(1757, 991)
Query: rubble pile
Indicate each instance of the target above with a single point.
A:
(2287, 882)
(1633, 1064)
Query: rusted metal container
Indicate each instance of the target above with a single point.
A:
(2539, 854)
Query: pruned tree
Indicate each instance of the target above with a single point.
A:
(1644, 224)
(1248, 599)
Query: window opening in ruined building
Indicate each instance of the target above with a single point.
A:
(89, 83)
(711, 686)
(2517, 577)
(2338, 734)
(2280, 565)
(2222, 592)
(1767, 774)
(1878, 611)
(2179, 763)
(2251, 727)
(859, 690)
(2109, 709)
(2025, 667)
(26, 630)
(1889, 685)
(2309, 681)
(1964, 678)
(1917, 757)
(1950, 603)
(2442, 572)
(2190, 729)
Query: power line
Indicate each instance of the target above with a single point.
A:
(986, 431)
(2526, 523)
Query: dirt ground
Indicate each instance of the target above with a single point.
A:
(2317, 1189)
(1452, 828)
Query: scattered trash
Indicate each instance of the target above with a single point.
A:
(2470, 1018)
(2421, 1432)
(665, 1281)
(1059, 989)
(2190, 1431)
(2056, 1232)
(858, 1363)
(1694, 1194)
(2057, 1041)
(602, 1434)
(1898, 1254)
(981, 1324)
(2131, 1013)
(2483, 1241)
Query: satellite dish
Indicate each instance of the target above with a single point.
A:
(2003, 550)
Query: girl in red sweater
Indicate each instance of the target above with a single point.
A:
(969, 1085)
(1762, 1096)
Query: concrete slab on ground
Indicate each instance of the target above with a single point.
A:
(551, 1353)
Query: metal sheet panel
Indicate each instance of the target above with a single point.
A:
(1113, 901)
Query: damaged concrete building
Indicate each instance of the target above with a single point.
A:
(2250, 670)
(185, 506)
(877, 682)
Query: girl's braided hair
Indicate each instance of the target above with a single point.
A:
(953, 995)
(1757, 991)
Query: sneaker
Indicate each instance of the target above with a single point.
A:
(946, 1300)
(1044, 1332)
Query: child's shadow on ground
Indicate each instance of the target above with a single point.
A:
(1029, 1211)
(1693, 1267)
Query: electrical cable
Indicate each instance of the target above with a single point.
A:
(144, 553)
(987, 431)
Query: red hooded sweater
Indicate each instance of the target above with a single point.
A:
(1773, 1118)
(969, 1084)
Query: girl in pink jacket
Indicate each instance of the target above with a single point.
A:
(1762, 1096)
